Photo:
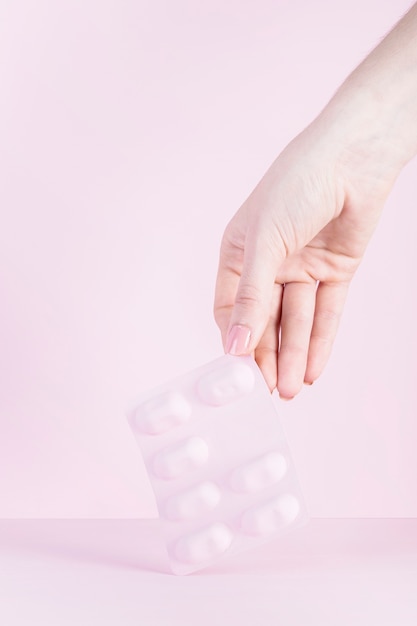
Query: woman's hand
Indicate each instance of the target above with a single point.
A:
(286, 261)
(288, 255)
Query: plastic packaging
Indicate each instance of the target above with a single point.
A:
(218, 462)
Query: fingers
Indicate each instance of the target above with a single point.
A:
(330, 299)
(298, 304)
(254, 295)
(309, 322)
(226, 287)
(267, 350)
(243, 304)
(254, 315)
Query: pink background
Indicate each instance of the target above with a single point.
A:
(130, 132)
(112, 572)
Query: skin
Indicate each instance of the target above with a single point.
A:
(290, 252)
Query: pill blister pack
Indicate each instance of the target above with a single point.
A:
(218, 462)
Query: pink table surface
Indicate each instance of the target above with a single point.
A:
(332, 571)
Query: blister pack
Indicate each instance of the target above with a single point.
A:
(218, 462)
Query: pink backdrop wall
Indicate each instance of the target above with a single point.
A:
(130, 132)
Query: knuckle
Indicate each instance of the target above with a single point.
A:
(248, 296)
(293, 349)
(300, 315)
(328, 315)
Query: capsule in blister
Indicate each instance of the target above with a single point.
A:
(204, 544)
(259, 474)
(162, 413)
(183, 457)
(193, 502)
(226, 384)
(270, 516)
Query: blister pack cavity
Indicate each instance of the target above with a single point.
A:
(218, 462)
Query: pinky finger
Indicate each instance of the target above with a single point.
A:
(330, 299)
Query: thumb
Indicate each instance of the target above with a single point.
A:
(252, 306)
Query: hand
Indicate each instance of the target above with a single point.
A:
(288, 255)
(286, 261)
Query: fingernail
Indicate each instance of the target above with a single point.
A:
(238, 340)
(308, 383)
(286, 399)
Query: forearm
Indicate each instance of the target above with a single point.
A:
(373, 116)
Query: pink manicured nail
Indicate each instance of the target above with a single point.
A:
(238, 340)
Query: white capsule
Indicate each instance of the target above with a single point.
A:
(259, 474)
(162, 413)
(270, 516)
(194, 502)
(181, 458)
(204, 544)
(226, 384)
